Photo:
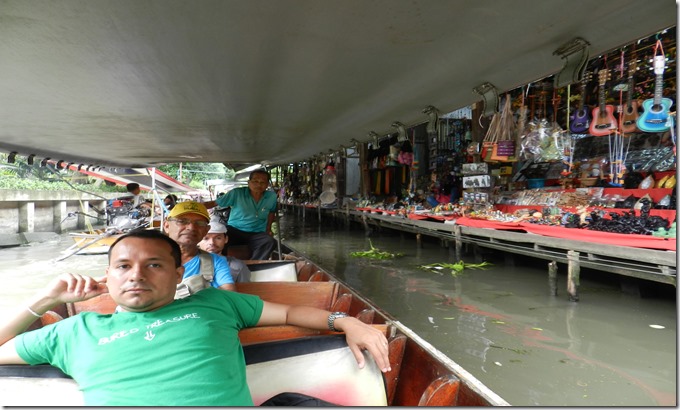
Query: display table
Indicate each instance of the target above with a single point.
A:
(636, 241)
(664, 213)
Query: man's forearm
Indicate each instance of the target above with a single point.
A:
(22, 317)
(270, 221)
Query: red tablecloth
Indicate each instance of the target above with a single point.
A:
(664, 213)
(584, 235)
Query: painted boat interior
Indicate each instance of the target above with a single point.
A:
(137, 83)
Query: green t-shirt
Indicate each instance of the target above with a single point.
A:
(184, 354)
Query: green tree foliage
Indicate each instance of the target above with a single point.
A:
(195, 173)
(19, 175)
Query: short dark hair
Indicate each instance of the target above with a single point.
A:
(132, 186)
(152, 234)
(259, 171)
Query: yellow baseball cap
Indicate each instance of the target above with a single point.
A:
(189, 207)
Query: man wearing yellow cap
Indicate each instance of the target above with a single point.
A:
(187, 223)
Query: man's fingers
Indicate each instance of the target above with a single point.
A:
(358, 355)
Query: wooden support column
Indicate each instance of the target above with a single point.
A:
(459, 242)
(573, 274)
(82, 221)
(552, 278)
(477, 252)
(319, 208)
(58, 215)
(509, 259)
(27, 217)
(365, 222)
(419, 240)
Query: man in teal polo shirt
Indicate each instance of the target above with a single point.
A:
(253, 209)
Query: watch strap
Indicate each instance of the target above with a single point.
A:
(332, 317)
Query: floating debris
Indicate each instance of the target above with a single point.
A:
(456, 268)
(518, 351)
(657, 327)
(375, 253)
(497, 363)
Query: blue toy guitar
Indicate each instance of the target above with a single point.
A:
(656, 110)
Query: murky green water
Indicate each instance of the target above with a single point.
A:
(502, 325)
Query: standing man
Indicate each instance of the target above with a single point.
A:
(214, 242)
(253, 209)
(187, 224)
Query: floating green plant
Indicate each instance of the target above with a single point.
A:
(374, 253)
(456, 268)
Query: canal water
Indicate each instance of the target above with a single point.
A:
(501, 324)
(611, 348)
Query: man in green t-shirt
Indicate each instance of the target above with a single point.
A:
(157, 350)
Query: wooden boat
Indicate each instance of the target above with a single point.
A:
(92, 243)
(420, 376)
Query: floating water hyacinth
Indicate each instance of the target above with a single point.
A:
(374, 253)
(456, 268)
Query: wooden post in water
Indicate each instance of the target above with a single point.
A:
(573, 273)
(419, 240)
(552, 278)
(319, 213)
(459, 242)
(365, 222)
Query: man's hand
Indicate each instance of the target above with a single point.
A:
(361, 336)
(72, 287)
(68, 287)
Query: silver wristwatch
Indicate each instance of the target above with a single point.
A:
(332, 317)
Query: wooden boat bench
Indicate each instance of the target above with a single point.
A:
(321, 367)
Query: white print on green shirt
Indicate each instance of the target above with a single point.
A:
(157, 323)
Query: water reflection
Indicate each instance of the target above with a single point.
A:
(502, 325)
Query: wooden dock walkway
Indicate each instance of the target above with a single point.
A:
(647, 264)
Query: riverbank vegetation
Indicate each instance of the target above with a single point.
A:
(19, 175)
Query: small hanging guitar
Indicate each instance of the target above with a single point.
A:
(579, 121)
(603, 122)
(629, 114)
(656, 111)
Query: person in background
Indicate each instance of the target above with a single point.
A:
(137, 198)
(169, 201)
(187, 224)
(253, 209)
(214, 242)
(159, 351)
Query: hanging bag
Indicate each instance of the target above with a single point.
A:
(504, 147)
(490, 139)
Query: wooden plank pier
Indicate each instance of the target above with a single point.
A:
(646, 264)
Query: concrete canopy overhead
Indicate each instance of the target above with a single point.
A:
(147, 82)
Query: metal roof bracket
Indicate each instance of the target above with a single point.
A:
(576, 54)
(490, 96)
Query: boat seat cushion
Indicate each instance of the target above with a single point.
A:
(273, 271)
(322, 367)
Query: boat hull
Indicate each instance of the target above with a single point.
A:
(421, 375)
